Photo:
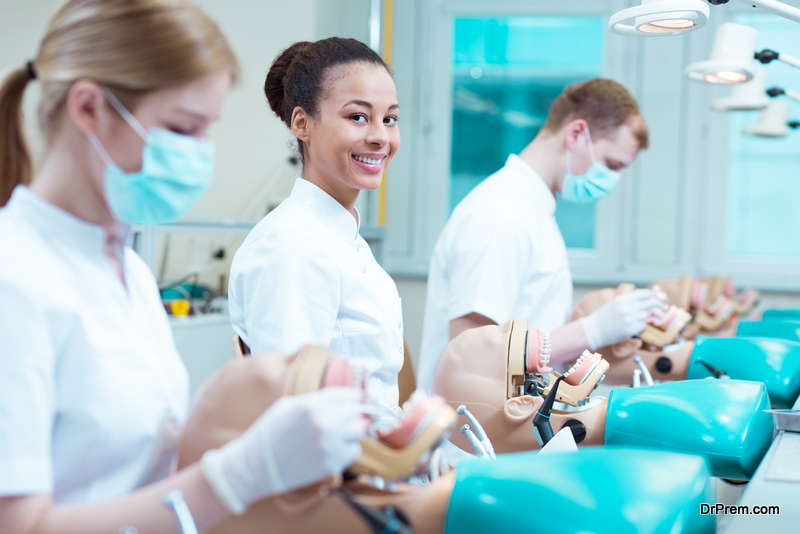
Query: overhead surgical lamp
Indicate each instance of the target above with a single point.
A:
(660, 17)
(745, 96)
(672, 17)
(731, 56)
(774, 122)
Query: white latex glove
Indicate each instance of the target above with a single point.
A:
(620, 318)
(297, 441)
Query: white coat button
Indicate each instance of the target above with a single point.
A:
(365, 270)
(399, 326)
(358, 246)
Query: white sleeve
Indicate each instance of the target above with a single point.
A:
(487, 265)
(27, 393)
(288, 292)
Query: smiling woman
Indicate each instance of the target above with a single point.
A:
(304, 274)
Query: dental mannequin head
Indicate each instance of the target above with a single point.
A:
(599, 112)
(673, 364)
(74, 111)
(339, 99)
(473, 370)
(229, 402)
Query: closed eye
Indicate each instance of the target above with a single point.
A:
(183, 131)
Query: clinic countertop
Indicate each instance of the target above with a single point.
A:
(775, 483)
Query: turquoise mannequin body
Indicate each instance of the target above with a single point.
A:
(723, 420)
(788, 314)
(775, 362)
(779, 327)
(599, 490)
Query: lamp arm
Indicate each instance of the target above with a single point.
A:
(790, 60)
(774, 7)
(778, 91)
(794, 95)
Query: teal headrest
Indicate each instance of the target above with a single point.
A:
(599, 490)
(775, 362)
(722, 420)
(778, 328)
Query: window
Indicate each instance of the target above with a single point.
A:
(764, 173)
(506, 73)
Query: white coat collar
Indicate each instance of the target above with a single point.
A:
(343, 222)
(545, 199)
(64, 227)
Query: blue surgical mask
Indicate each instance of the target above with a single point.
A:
(592, 185)
(176, 171)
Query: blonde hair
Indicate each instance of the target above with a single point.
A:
(604, 104)
(130, 46)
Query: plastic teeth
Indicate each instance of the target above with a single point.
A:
(546, 347)
(413, 401)
(578, 363)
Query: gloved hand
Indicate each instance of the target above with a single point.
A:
(621, 318)
(297, 441)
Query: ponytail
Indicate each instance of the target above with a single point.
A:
(15, 160)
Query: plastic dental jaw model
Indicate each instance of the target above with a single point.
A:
(774, 362)
(670, 362)
(528, 357)
(712, 301)
(663, 328)
(392, 453)
(479, 369)
(500, 374)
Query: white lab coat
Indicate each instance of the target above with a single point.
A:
(501, 255)
(305, 276)
(93, 393)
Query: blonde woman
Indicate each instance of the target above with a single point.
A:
(93, 394)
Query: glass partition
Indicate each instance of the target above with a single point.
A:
(507, 71)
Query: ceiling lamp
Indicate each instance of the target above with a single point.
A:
(774, 121)
(731, 56)
(660, 17)
(675, 17)
(745, 96)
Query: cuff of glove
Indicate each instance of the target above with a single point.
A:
(593, 335)
(234, 476)
(213, 471)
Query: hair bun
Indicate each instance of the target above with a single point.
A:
(273, 85)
